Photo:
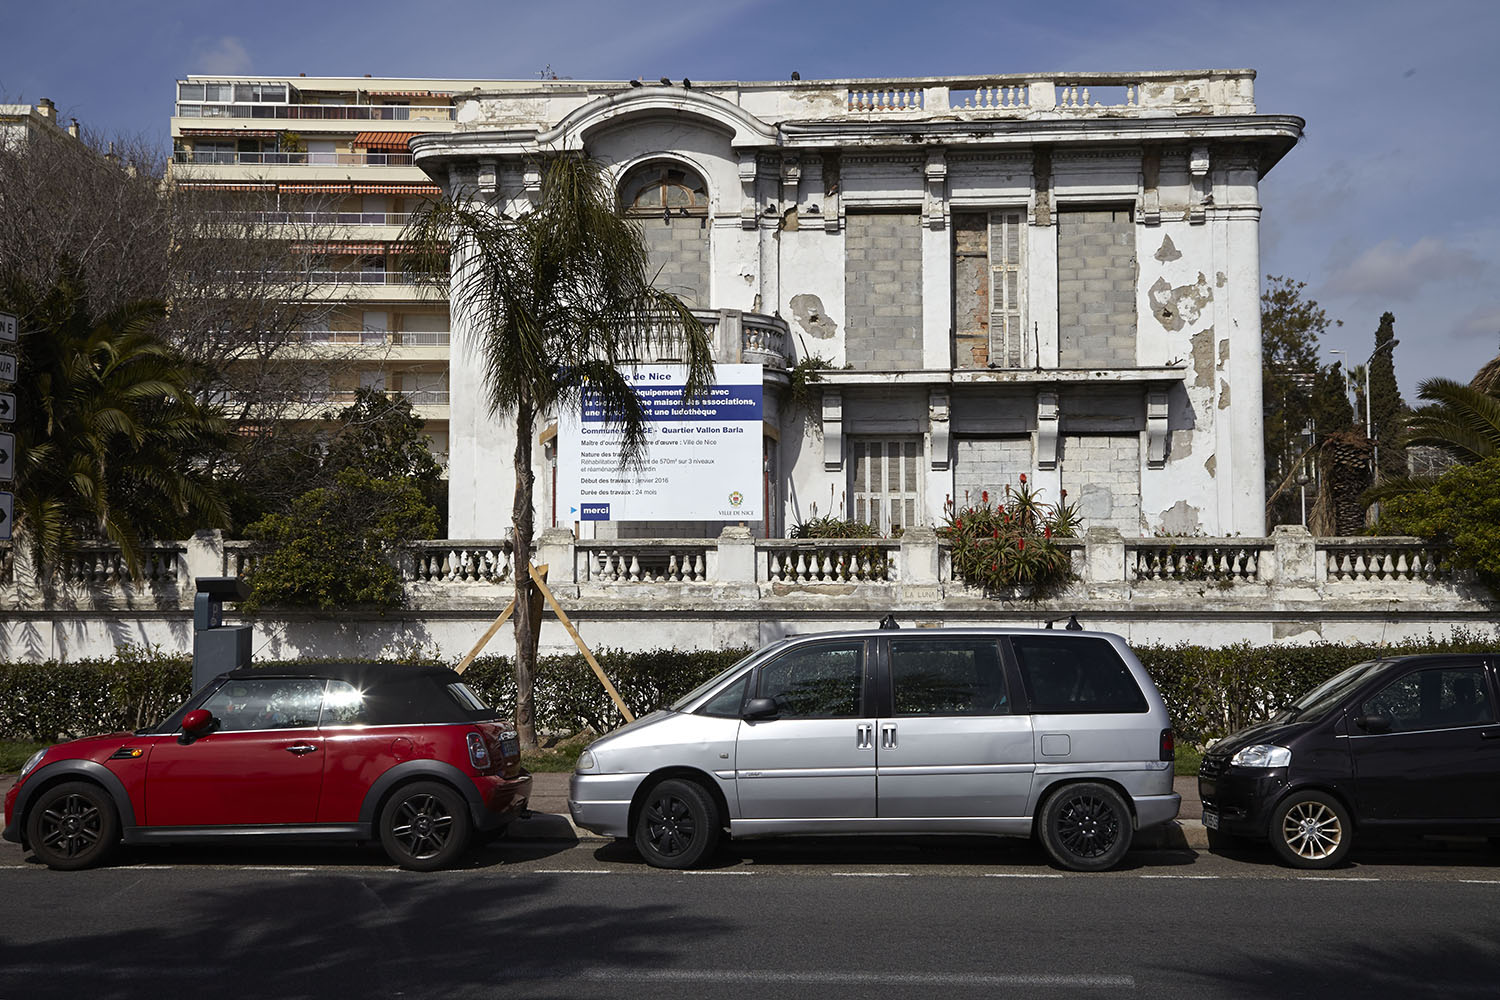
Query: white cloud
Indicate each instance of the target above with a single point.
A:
(224, 56)
(1481, 322)
(1390, 271)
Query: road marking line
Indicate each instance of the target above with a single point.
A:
(870, 874)
(1023, 875)
(719, 873)
(571, 871)
(1332, 878)
(1197, 877)
(277, 868)
(873, 978)
(1480, 881)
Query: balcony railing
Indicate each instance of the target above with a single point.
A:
(329, 277)
(324, 218)
(394, 338)
(214, 156)
(320, 112)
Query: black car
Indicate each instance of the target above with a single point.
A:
(1409, 744)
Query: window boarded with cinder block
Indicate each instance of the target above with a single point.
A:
(1096, 282)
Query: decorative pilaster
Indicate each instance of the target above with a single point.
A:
(937, 420)
(1198, 164)
(1047, 414)
(935, 202)
(833, 430)
(1148, 203)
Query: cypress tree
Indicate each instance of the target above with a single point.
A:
(1386, 406)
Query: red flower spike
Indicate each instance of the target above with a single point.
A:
(994, 566)
(985, 496)
(1047, 532)
(1021, 545)
(1065, 494)
(1023, 477)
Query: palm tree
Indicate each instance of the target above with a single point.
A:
(1461, 419)
(108, 436)
(556, 301)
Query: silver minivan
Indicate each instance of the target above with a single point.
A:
(1056, 735)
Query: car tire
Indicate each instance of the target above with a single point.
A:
(73, 825)
(1311, 830)
(678, 826)
(1086, 827)
(425, 826)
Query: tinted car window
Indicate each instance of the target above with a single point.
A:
(1076, 674)
(1441, 698)
(727, 703)
(947, 677)
(275, 703)
(815, 682)
(343, 705)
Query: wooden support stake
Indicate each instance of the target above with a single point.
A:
(540, 581)
(484, 640)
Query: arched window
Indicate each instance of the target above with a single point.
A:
(654, 189)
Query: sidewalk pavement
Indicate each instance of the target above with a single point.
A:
(549, 820)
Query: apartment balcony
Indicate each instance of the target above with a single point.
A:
(403, 345)
(224, 157)
(362, 226)
(371, 285)
(192, 113)
(743, 337)
(361, 167)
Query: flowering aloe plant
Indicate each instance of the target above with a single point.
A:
(1009, 542)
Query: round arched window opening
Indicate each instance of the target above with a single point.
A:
(662, 190)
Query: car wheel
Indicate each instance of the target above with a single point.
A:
(1311, 830)
(73, 825)
(425, 826)
(1086, 827)
(678, 826)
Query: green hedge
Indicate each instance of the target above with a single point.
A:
(1209, 692)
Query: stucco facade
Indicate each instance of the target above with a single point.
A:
(1051, 276)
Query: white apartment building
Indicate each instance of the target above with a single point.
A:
(1050, 275)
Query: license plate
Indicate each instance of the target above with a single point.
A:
(510, 747)
(1210, 819)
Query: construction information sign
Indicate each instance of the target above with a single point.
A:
(702, 460)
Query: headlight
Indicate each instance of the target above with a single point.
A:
(1262, 755)
(585, 761)
(32, 762)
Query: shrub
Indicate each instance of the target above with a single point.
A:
(1011, 544)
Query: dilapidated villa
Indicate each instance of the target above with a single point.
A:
(1050, 275)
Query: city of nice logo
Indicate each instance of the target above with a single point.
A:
(736, 498)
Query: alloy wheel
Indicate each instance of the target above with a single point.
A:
(670, 825)
(1312, 830)
(1088, 826)
(72, 826)
(422, 825)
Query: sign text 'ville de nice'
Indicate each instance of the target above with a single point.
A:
(702, 460)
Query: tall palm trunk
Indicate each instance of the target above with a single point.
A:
(528, 624)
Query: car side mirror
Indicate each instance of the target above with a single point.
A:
(198, 722)
(759, 708)
(1373, 723)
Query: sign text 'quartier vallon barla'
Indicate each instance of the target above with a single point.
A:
(702, 459)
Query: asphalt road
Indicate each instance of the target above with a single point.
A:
(820, 919)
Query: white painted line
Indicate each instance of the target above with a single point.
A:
(719, 873)
(1023, 875)
(870, 874)
(276, 868)
(571, 871)
(752, 976)
(1196, 877)
(1480, 881)
(1332, 878)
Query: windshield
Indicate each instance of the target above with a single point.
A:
(682, 703)
(1323, 697)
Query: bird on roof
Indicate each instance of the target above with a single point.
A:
(687, 84)
(796, 75)
(665, 82)
(636, 83)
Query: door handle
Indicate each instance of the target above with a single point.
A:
(1490, 734)
(300, 748)
(865, 732)
(888, 736)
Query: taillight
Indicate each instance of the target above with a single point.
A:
(1168, 745)
(479, 754)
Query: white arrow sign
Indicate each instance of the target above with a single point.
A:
(7, 514)
(7, 457)
(7, 408)
(7, 327)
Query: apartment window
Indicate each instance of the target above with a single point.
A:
(260, 93)
(885, 485)
(1096, 288)
(671, 204)
(989, 290)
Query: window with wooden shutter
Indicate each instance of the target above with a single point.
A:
(885, 488)
(1008, 346)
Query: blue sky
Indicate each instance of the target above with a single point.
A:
(1389, 203)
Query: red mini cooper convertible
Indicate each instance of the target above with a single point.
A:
(328, 752)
